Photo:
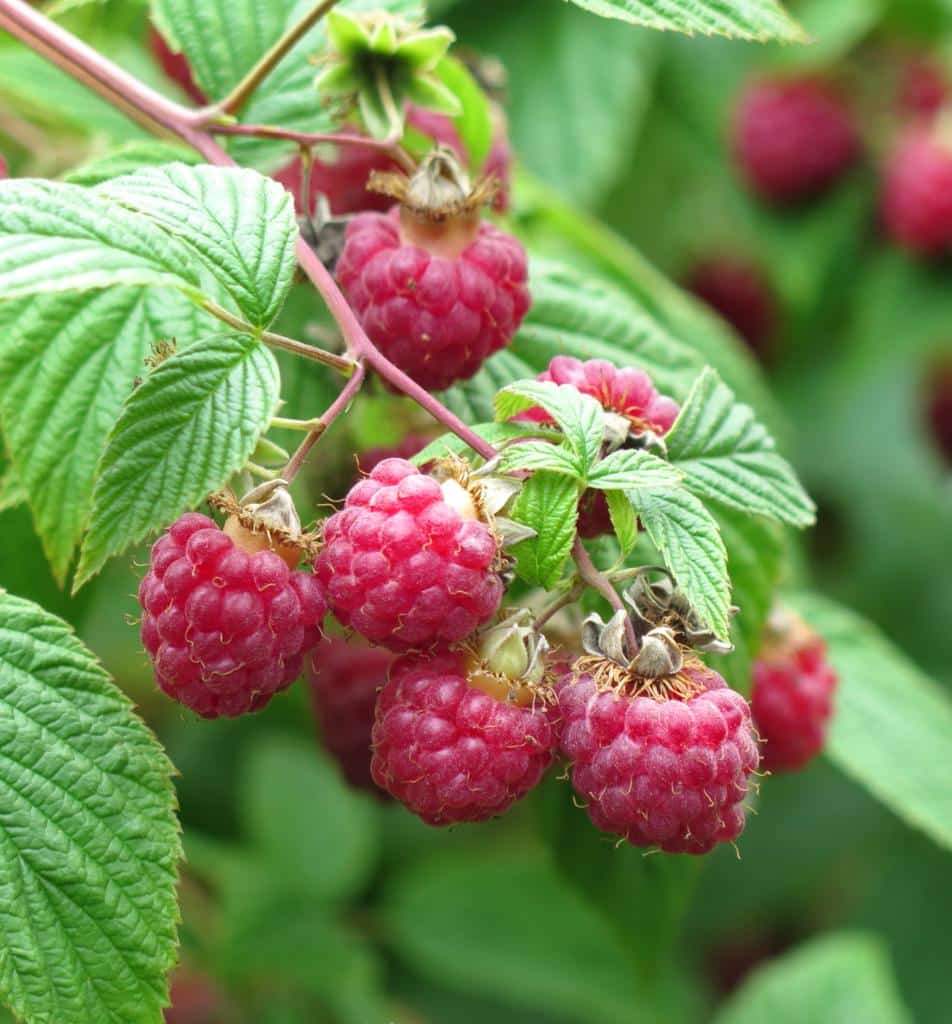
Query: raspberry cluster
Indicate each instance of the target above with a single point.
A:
(226, 629)
(669, 773)
(406, 568)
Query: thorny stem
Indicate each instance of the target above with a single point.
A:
(243, 91)
(299, 348)
(321, 424)
(159, 114)
(599, 582)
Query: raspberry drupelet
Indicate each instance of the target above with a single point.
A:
(409, 562)
(916, 197)
(227, 626)
(436, 289)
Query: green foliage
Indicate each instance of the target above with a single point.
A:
(90, 841)
(191, 423)
(128, 159)
(742, 19)
(836, 979)
(548, 504)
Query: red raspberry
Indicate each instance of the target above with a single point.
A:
(437, 316)
(450, 751)
(345, 679)
(195, 999)
(403, 566)
(741, 294)
(793, 138)
(667, 773)
(916, 196)
(923, 86)
(939, 407)
(226, 629)
(792, 702)
(176, 67)
(628, 392)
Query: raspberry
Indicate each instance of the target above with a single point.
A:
(450, 751)
(792, 700)
(176, 67)
(668, 773)
(436, 289)
(403, 567)
(916, 199)
(923, 87)
(343, 180)
(938, 402)
(628, 392)
(404, 449)
(740, 293)
(195, 999)
(345, 679)
(226, 629)
(793, 138)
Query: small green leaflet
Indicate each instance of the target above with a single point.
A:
(624, 520)
(62, 238)
(630, 468)
(183, 432)
(131, 157)
(840, 978)
(689, 541)
(739, 19)
(533, 455)
(11, 490)
(241, 226)
(493, 433)
(67, 364)
(580, 417)
(548, 502)
(727, 456)
(90, 844)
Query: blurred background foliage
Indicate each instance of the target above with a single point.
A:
(304, 901)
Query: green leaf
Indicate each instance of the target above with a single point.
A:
(241, 225)
(183, 432)
(12, 492)
(574, 314)
(892, 725)
(62, 238)
(727, 456)
(836, 979)
(520, 921)
(548, 502)
(494, 433)
(577, 88)
(580, 417)
(280, 780)
(89, 845)
(474, 123)
(68, 363)
(689, 542)
(739, 19)
(133, 156)
(624, 520)
(628, 468)
(536, 455)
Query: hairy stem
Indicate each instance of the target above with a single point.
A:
(321, 424)
(243, 91)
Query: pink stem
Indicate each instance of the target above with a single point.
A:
(154, 110)
(598, 581)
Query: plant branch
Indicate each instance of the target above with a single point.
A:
(317, 355)
(600, 583)
(323, 421)
(243, 91)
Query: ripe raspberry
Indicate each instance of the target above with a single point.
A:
(923, 86)
(916, 198)
(793, 138)
(740, 293)
(449, 750)
(405, 567)
(226, 629)
(792, 699)
(938, 407)
(176, 67)
(345, 679)
(195, 999)
(437, 290)
(628, 392)
(668, 773)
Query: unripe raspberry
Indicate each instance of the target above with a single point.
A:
(793, 138)
(436, 289)
(916, 198)
(226, 629)
(792, 697)
(628, 392)
(449, 750)
(406, 567)
(346, 677)
(741, 294)
(670, 773)
(176, 66)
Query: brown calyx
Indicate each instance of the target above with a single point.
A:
(254, 529)
(627, 681)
